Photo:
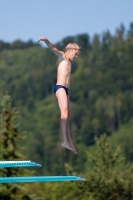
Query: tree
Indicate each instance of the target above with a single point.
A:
(9, 143)
(130, 32)
(108, 177)
(95, 42)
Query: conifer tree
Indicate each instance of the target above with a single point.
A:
(10, 135)
(109, 178)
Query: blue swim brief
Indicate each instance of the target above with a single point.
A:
(56, 87)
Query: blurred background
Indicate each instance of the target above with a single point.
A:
(101, 89)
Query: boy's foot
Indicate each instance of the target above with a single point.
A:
(73, 147)
(68, 147)
(74, 151)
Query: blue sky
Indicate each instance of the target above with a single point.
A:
(56, 19)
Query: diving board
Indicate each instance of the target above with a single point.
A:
(27, 163)
(24, 179)
(40, 179)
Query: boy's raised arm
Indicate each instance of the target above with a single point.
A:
(51, 46)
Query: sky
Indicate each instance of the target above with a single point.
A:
(57, 19)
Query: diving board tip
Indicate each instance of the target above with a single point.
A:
(25, 163)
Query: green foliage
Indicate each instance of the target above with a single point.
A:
(17, 45)
(124, 137)
(109, 177)
(9, 143)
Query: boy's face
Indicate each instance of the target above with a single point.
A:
(73, 53)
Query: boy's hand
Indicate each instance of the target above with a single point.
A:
(41, 39)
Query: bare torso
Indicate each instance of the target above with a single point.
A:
(63, 71)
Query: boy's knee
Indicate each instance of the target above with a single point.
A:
(64, 114)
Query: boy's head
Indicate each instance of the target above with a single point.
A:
(73, 46)
(72, 49)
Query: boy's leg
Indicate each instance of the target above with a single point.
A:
(68, 127)
(63, 105)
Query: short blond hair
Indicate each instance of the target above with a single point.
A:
(73, 46)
